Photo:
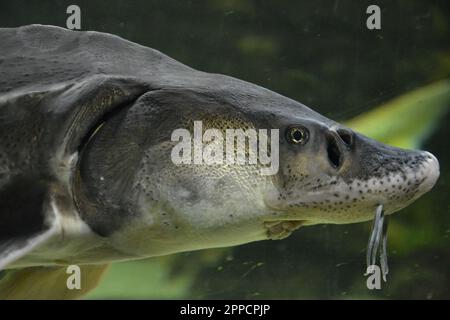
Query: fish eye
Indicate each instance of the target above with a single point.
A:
(297, 135)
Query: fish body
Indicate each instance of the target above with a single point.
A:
(87, 174)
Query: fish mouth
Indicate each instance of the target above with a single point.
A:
(280, 229)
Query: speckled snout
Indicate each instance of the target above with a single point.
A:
(341, 176)
(390, 176)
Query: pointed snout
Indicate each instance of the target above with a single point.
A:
(387, 175)
(395, 176)
(431, 170)
(375, 159)
(357, 156)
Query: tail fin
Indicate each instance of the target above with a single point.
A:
(47, 282)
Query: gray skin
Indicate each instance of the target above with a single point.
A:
(85, 170)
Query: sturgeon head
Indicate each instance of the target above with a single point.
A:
(114, 185)
(331, 174)
(322, 171)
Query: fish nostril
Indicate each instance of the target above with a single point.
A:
(346, 136)
(333, 152)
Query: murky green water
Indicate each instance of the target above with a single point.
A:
(319, 53)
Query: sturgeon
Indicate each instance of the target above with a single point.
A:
(86, 177)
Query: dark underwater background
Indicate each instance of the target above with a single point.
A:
(321, 54)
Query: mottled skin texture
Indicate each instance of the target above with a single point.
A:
(85, 170)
